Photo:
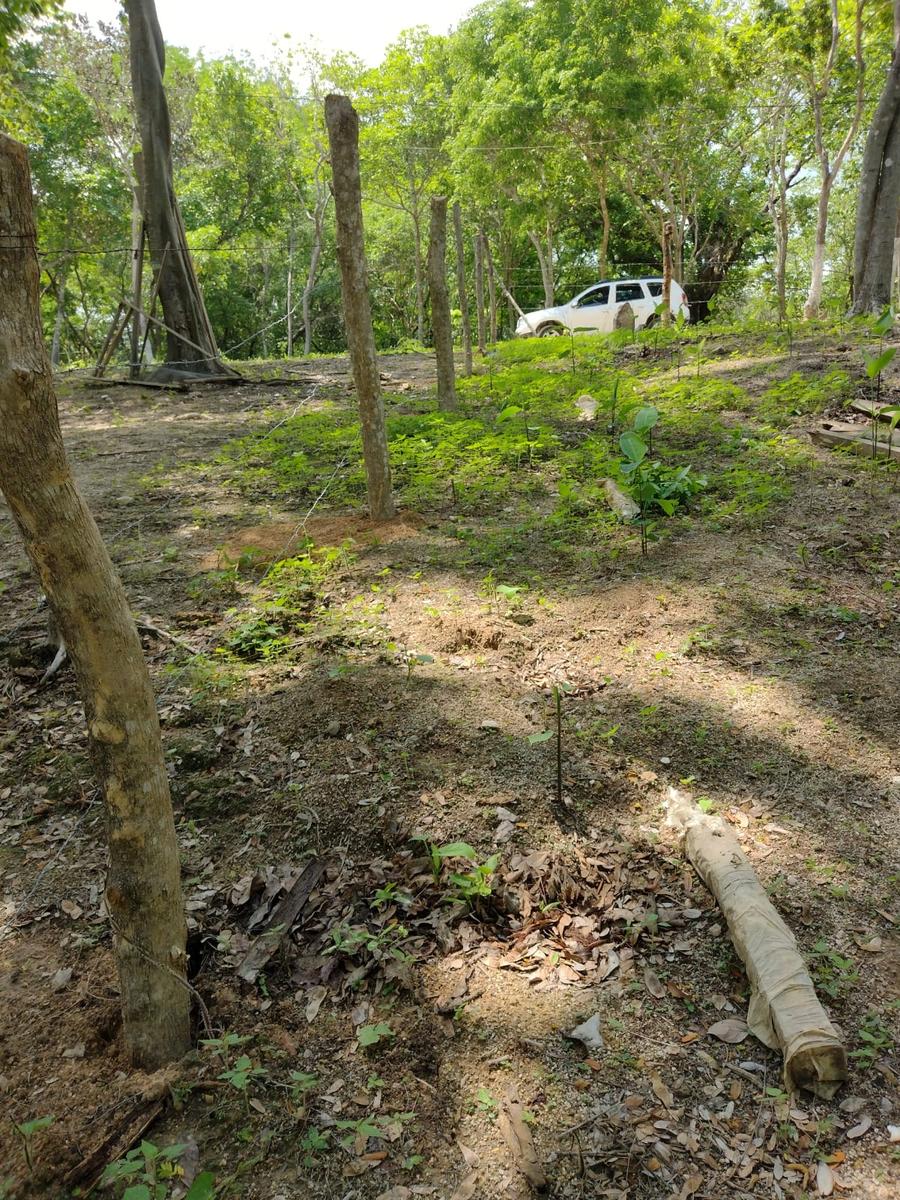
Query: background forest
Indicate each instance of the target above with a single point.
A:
(569, 132)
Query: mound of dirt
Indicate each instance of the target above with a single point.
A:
(265, 544)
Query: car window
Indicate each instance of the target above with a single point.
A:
(655, 289)
(598, 295)
(628, 291)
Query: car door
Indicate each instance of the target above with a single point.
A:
(590, 309)
(632, 293)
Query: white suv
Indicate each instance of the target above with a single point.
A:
(595, 308)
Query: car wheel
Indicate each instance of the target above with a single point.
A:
(549, 330)
(651, 321)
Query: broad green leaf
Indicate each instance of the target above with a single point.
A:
(456, 850)
(876, 363)
(139, 1191)
(632, 447)
(27, 1128)
(885, 322)
(368, 1035)
(511, 410)
(535, 739)
(645, 418)
(203, 1187)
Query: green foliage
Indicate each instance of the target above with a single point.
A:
(833, 973)
(802, 395)
(652, 485)
(466, 885)
(371, 1035)
(27, 1130)
(149, 1172)
(875, 1040)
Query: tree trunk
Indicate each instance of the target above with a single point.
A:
(479, 292)
(607, 226)
(343, 137)
(420, 279)
(441, 326)
(59, 318)
(137, 281)
(667, 273)
(179, 291)
(318, 217)
(545, 262)
(492, 289)
(780, 221)
(86, 598)
(813, 305)
(289, 302)
(879, 199)
(461, 289)
(307, 291)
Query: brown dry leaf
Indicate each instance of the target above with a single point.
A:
(470, 1156)
(395, 1193)
(731, 1031)
(466, 1189)
(519, 1138)
(314, 1002)
(691, 1184)
(858, 1130)
(662, 1091)
(871, 945)
(824, 1179)
(653, 984)
(71, 909)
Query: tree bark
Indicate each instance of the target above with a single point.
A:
(492, 289)
(179, 291)
(545, 262)
(479, 292)
(343, 137)
(465, 320)
(317, 216)
(86, 598)
(813, 305)
(420, 279)
(289, 300)
(59, 318)
(667, 273)
(441, 326)
(879, 199)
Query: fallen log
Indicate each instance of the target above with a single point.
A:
(279, 926)
(126, 1128)
(860, 443)
(784, 1011)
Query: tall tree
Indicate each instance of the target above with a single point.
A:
(91, 610)
(879, 195)
(343, 137)
(823, 42)
(191, 345)
(440, 303)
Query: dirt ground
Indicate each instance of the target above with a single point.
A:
(755, 667)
